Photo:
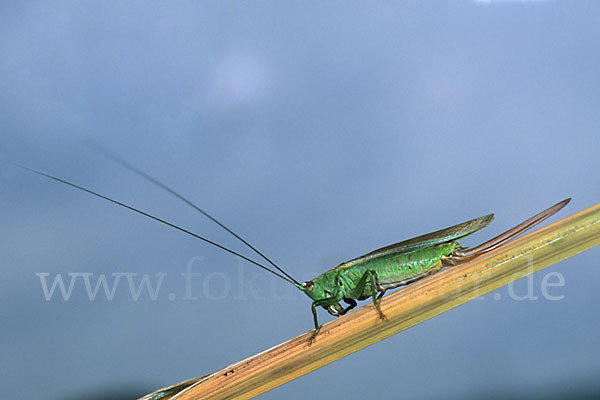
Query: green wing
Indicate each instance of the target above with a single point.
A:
(429, 239)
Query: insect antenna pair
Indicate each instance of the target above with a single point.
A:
(282, 274)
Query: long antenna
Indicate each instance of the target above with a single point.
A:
(293, 282)
(188, 202)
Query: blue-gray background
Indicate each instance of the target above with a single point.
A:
(320, 131)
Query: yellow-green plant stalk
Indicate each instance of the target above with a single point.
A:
(475, 271)
(405, 308)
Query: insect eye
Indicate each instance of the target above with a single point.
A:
(309, 285)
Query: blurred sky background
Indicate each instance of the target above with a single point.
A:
(317, 130)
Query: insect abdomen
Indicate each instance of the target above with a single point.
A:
(404, 268)
(394, 270)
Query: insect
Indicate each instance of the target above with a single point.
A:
(367, 276)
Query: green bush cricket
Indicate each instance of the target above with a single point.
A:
(367, 276)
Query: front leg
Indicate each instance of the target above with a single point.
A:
(321, 303)
(368, 278)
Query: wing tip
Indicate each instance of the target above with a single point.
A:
(485, 220)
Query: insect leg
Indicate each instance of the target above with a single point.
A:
(369, 278)
(380, 295)
(321, 303)
(351, 304)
